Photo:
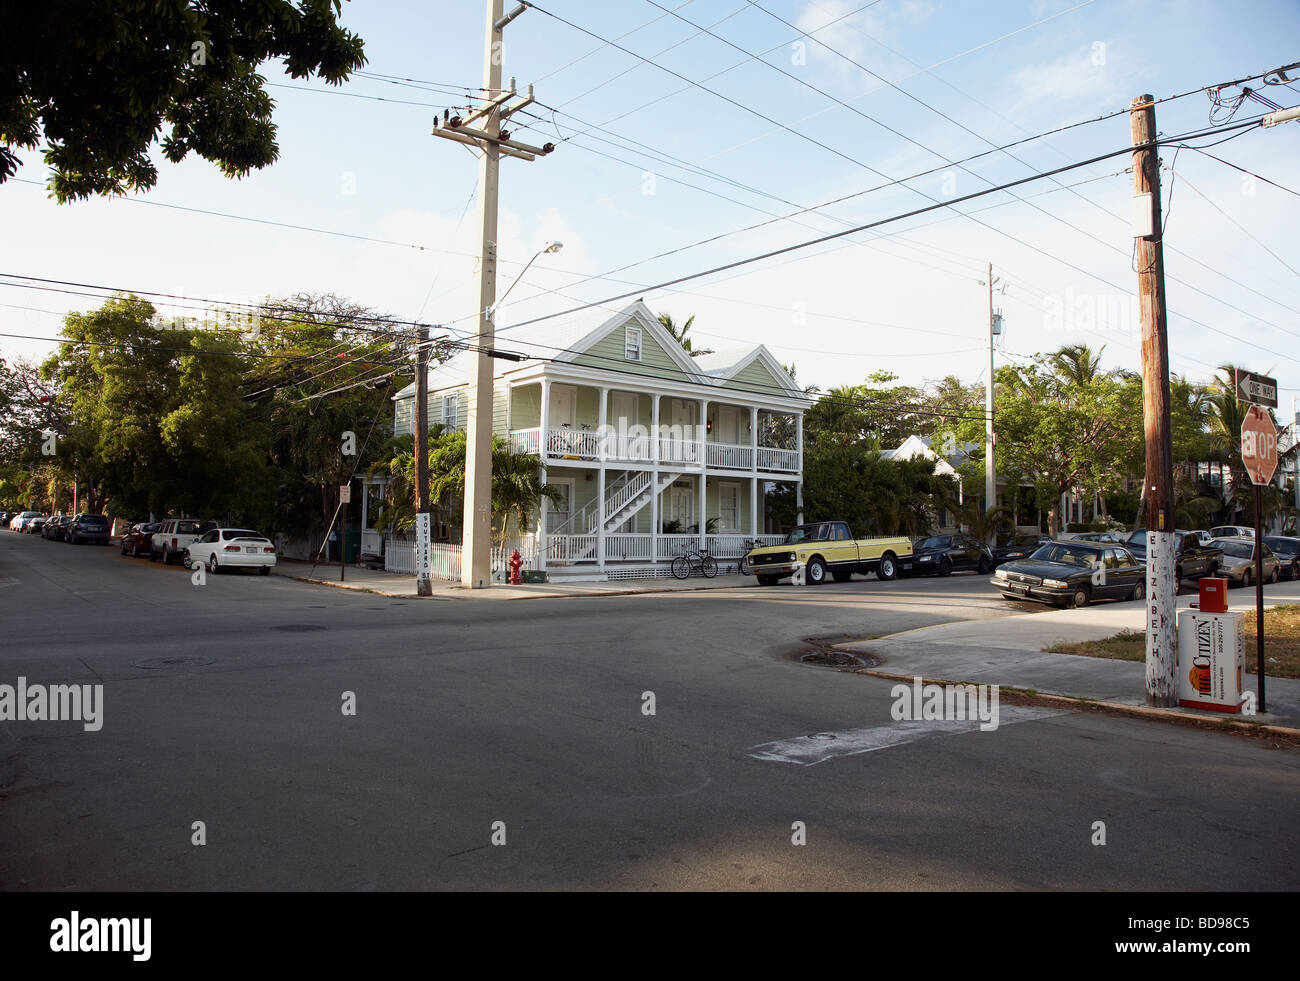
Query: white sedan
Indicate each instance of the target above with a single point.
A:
(231, 548)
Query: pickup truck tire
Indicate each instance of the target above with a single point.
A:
(166, 556)
(887, 570)
(816, 571)
(768, 580)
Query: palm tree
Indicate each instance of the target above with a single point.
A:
(679, 334)
(1076, 365)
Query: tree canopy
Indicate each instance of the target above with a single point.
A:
(98, 83)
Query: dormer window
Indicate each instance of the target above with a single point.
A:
(632, 344)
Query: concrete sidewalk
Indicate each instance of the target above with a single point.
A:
(1009, 652)
(402, 586)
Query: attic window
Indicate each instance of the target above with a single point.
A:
(632, 344)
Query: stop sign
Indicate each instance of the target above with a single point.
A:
(1259, 445)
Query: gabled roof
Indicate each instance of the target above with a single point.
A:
(567, 338)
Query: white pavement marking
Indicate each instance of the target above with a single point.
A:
(823, 746)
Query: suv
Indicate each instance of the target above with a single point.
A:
(19, 521)
(87, 528)
(171, 540)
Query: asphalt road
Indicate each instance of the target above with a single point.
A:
(222, 705)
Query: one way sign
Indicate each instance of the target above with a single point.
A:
(1257, 389)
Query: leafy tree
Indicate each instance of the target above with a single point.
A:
(516, 482)
(96, 83)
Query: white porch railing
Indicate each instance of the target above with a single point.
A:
(671, 546)
(579, 443)
(619, 547)
(783, 461)
(730, 456)
(525, 440)
(571, 548)
(679, 451)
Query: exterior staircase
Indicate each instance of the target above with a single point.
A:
(625, 497)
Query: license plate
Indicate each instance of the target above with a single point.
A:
(1019, 588)
(250, 549)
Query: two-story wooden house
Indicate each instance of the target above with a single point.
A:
(652, 451)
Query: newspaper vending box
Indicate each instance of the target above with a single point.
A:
(1211, 659)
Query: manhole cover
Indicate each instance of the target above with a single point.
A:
(839, 659)
(173, 661)
(300, 628)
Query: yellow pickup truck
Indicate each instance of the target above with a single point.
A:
(826, 548)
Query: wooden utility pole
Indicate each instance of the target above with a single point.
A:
(423, 583)
(1162, 587)
(990, 459)
(481, 128)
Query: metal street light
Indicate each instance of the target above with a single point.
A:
(552, 248)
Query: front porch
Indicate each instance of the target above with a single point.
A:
(587, 424)
(638, 521)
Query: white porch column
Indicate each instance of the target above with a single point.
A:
(753, 507)
(753, 439)
(704, 480)
(701, 433)
(601, 421)
(543, 539)
(798, 441)
(654, 479)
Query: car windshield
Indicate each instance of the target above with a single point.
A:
(802, 533)
(1238, 550)
(939, 541)
(1084, 558)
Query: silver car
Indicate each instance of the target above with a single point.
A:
(1239, 561)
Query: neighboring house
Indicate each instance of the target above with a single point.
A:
(651, 450)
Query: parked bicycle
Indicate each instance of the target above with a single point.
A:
(693, 560)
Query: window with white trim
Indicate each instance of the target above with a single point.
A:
(632, 343)
(449, 412)
(728, 507)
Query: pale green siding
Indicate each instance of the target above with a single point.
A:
(403, 413)
(757, 379)
(526, 407)
(610, 353)
(498, 410)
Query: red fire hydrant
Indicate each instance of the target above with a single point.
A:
(516, 564)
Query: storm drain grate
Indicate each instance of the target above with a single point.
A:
(839, 659)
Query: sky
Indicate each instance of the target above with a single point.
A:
(680, 123)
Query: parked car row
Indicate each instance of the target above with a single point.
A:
(198, 543)
(186, 540)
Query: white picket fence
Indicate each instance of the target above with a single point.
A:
(399, 556)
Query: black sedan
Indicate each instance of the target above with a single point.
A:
(1287, 550)
(1073, 574)
(55, 527)
(1019, 547)
(942, 555)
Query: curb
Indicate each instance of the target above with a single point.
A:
(1028, 696)
(595, 593)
